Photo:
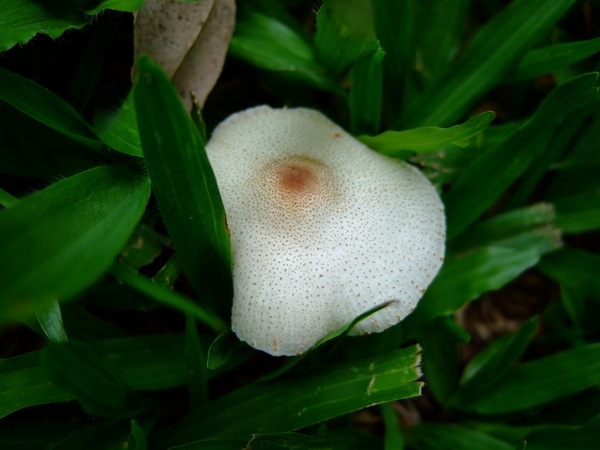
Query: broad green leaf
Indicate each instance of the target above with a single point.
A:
(428, 139)
(7, 200)
(21, 20)
(61, 239)
(50, 320)
(466, 278)
(45, 107)
(220, 349)
(493, 362)
(305, 398)
(548, 59)
(440, 340)
(337, 334)
(393, 439)
(195, 359)
(500, 167)
(538, 382)
(393, 28)
(109, 435)
(434, 436)
(185, 187)
(579, 213)
(119, 5)
(147, 363)
(495, 48)
(214, 444)
(345, 31)
(572, 267)
(137, 438)
(121, 131)
(548, 437)
(505, 226)
(75, 368)
(32, 149)
(438, 30)
(365, 93)
(343, 439)
(269, 44)
(166, 296)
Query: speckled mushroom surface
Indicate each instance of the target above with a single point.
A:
(322, 228)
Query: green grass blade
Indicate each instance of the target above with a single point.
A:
(267, 43)
(166, 296)
(484, 181)
(491, 53)
(185, 187)
(121, 131)
(548, 59)
(393, 439)
(579, 213)
(50, 320)
(434, 436)
(297, 401)
(20, 21)
(428, 139)
(7, 200)
(345, 31)
(58, 241)
(491, 364)
(117, 5)
(214, 444)
(365, 93)
(45, 107)
(137, 438)
(342, 439)
(195, 359)
(540, 381)
(75, 368)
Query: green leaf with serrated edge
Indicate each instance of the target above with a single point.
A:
(137, 437)
(345, 31)
(166, 296)
(299, 400)
(342, 439)
(393, 439)
(118, 5)
(501, 166)
(120, 131)
(195, 359)
(269, 44)
(214, 444)
(20, 21)
(490, 365)
(504, 226)
(538, 382)
(434, 436)
(50, 319)
(365, 93)
(495, 48)
(76, 369)
(339, 333)
(428, 139)
(185, 187)
(61, 239)
(45, 107)
(579, 213)
(553, 57)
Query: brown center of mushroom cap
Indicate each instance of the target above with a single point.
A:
(298, 184)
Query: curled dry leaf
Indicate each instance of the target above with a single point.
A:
(188, 39)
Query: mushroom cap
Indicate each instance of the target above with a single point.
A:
(322, 228)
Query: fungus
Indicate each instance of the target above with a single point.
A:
(322, 228)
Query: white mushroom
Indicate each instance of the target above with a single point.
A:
(322, 228)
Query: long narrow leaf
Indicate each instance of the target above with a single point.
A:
(185, 187)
